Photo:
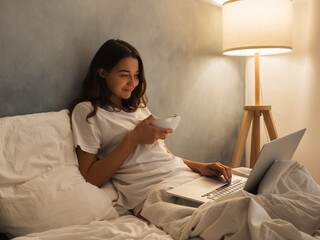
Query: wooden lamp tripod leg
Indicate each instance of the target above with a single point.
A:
(255, 140)
(242, 138)
(253, 113)
(271, 127)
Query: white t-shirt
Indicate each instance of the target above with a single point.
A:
(146, 166)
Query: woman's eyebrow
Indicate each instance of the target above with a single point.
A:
(127, 71)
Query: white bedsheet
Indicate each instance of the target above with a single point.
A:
(287, 207)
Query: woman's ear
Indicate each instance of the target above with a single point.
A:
(102, 73)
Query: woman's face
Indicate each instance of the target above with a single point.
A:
(122, 79)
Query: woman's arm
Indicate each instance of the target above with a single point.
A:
(99, 172)
(208, 169)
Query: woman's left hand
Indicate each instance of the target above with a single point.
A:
(215, 169)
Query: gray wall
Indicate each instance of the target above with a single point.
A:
(46, 47)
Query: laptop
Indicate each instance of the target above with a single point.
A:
(204, 189)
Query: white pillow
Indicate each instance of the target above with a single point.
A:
(31, 144)
(41, 187)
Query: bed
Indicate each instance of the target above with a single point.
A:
(43, 195)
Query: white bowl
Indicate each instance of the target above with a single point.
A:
(167, 122)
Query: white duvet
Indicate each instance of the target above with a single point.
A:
(287, 207)
(125, 227)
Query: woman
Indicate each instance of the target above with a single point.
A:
(113, 136)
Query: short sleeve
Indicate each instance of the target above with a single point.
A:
(86, 133)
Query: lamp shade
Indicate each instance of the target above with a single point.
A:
(257, 26)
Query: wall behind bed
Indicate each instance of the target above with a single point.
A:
(46, 47)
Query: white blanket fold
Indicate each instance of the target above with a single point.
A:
(287, 207)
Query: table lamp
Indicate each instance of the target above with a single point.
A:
(254, 28)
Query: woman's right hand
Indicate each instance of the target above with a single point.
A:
(145, 133)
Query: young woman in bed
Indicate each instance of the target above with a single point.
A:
(113, 136)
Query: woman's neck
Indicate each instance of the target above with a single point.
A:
(117, 102)
(119, 105)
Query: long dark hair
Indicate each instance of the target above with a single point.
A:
(95, 88)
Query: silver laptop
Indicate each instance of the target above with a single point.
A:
(206, 189)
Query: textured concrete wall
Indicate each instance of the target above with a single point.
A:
(46, 47)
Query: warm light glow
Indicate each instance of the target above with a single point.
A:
(257, 26)
(221, 2)
(261, 51)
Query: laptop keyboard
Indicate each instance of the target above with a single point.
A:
(225, 190)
